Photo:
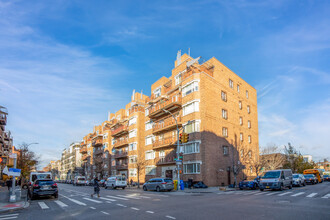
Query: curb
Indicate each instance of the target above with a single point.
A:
(26, 205)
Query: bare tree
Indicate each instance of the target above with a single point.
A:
(140, 165)
(272, 158)
(236, 158)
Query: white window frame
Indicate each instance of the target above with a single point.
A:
(247, 94)
(186, 90)
(224, 96)
(146, 111)
(134, 159)
(231, 83)
(224, 114)
(134, 144)
(241, 137)
(195, 126)
(249, 124)
(161, 153)
(152, 171)
(196, 167)
(132, 121)
(240, 120)
(157, 92)
(151, 138)
(248, 109)
(237, 88)
(148, 125)
(194, 108)
(132, 172)
(132, 133)
(224, 131)
(194, 147)
(150, 152)
(249, 139)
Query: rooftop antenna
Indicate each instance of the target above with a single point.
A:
(142, 94)
(133, 95)
(108, 115)
(189, 51)
(178, 58)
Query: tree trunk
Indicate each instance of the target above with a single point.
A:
(138, 178)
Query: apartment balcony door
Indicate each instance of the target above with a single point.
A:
(169, 174)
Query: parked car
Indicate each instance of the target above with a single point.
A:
(298, 180)
(79, 181)
(310, 179)
(249, 183)
(116, 182)
(102, 183)
(200, 185)
(276, 179)
(43, 188)
(159, 184)
(326, 177)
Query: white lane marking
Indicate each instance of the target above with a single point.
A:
(151, 212)
(129, 197)
(327, 196)
(43, 205)
(163, 195)
(239, 192)
(112, 200)
(282, 194)
(135, 208)
(230, 192)
(92, 207)
(121, 205)
(250, 193)
(267, 194)
(117, 198)
(145, 197)
(311, 195)
(105, 213)
(92, 200)
(171, 217)
(13, 217)
(73, 200)
(108, 202)
(260, 193)
(9, 215)
(273, 193)
(61, 203)
(298, 194)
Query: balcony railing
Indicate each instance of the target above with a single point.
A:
(120, 143)
(168, 159)
(97, 152)
(171, 104)
(167, 124)
(165, 142)
(205, 67)
(98, 141)
(122, 167)
(83, 150)
(120, 130)
(121, 154)
(135, 109)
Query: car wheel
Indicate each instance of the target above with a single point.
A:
(105, 187)
(56, 196)
(169, 190)
(123, 187)
(144, 188)
(261, 189)
(157, 189)
(290, 186)
(241, 188)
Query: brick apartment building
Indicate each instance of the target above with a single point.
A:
(214, 105)
(6, 140)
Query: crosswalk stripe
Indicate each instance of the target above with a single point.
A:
(260, 193)
(298, 194)
(117, 198)
(9, 215)
(92, 200)
(145, 197)
(273, 193)
(3, 218)
(230, 192)
(75, 201)
(121, 205)
(284, 194)
(43, 205)
(105, 213)
(327, 196)
(311, 195)
(130, 197)
(135, 208)
(112, 200)
(61, 203)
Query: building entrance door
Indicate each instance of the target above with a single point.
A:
(169, 174)
(228, 177)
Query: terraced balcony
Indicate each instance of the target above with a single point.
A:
(119, 130)
(165, 142)
(97, 141)
(122, 167)
(120, 143)
(168, 159)
(167, 124)
(84, 158)
(83, 150)
(97, 152)
(171, 104)
(121, 154)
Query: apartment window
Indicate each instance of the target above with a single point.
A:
(225, 150)
(146, 112)
(247, 94)
(237, 88)
(240, 104)
(224, 114)
(178, 79)
(249, 124)
(248, 109)
(150, 170)
(240, 120)
(249, 139)
(231, 83)
(241, 136)
(192, 127)
(133, 159)
(191, 107)
(113, 141)
(242, 153)
(148, 125)
(150, 155)
(251, 169)
(191, 168)
(150, 139)
(189, 88)
(225, 132)
(162, 153)
(191, 148)
(132, 146)
(157, 92)
(132, 172)
(132, 121)
(105, 136)
(132, 133)
(250, 154)
(224, 96)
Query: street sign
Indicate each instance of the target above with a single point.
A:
(14, 172)
(5, 170)
(178, 162)
(12, 155)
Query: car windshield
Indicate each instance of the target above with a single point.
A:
(309, 176)
(295, 176)
(44, 183)
(271, 175)
(168, 180)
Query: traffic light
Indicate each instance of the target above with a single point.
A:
(185, 138)
(181, 138)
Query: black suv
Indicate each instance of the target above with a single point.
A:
(43, 188)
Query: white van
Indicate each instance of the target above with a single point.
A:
(116, 182)
(80, 180)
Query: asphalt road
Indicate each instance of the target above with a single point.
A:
(310, 202)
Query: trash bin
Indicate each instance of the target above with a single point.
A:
(181, 185)
(175, 182)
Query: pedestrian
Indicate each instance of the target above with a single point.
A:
(96, 188)
(9, 183)
(131, 182)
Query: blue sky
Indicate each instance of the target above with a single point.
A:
(65, 64)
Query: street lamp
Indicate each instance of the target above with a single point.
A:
(13, 196)
(178, 144)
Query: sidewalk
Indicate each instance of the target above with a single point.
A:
(6, 206)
